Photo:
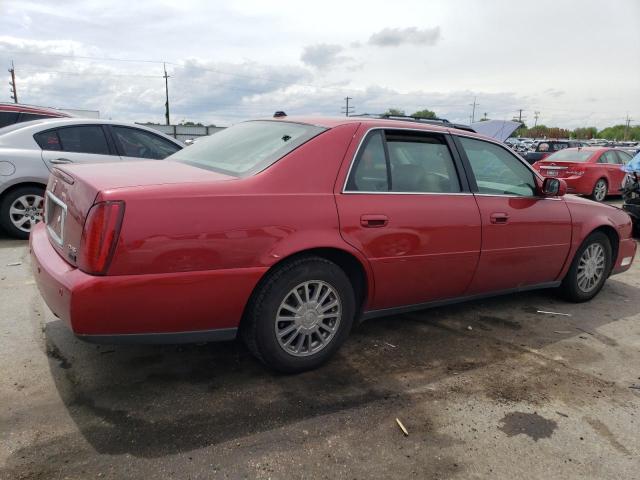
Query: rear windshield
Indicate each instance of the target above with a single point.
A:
(246, 148)
(569, 156)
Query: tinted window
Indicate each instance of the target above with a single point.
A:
(497, 171)
(83, 139)
(142, 144)
(8, 118)
(421, 163)
(48, 140)
(27, 117)
(369, 173)
(248, 147)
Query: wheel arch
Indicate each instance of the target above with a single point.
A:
(354, 267)
(614, 239)
(23, 184)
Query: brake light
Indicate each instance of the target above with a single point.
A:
(100, 236)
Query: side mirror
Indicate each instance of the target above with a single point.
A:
(554, 187)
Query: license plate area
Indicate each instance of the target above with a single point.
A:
(551, 173)
(55, 215)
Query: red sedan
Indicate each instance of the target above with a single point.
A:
(593, 171)
(289, 230)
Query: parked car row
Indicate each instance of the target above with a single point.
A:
(11, 113)
(287, 231)
(30, 150)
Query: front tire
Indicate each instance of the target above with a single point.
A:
(20, 210)
(589, 270)
(300, 315)
(600, 190)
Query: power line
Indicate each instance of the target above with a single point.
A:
(166, 90)
(473, 112)
(12, 83)
(347, 109)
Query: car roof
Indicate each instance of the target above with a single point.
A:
(20, 107)
(28, 129)
(332, 122)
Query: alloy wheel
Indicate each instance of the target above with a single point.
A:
(26, 211)
(308, 318)
(591, 267)
(600, 190)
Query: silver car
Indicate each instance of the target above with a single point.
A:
(29, 150)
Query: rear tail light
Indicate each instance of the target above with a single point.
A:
(100, 236)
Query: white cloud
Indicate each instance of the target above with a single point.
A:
(394, 37)
(323, 55)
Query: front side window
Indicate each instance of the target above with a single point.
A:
(83, 139)
(247, 148)
(498, 172)
(141, 144)
(404, 162)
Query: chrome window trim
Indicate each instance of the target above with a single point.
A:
(355, 155)
(58, 239)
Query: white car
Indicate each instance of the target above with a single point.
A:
(28, 151)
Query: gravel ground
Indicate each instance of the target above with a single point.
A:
(485, 389)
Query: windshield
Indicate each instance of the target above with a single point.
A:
(247, 148)
(569, 155)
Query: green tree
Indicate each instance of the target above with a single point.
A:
(426, 113)
(394, 111)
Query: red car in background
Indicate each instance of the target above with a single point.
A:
(287, 231)
(592, 171)
(11, 113)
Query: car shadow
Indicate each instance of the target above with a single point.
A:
(150, 401)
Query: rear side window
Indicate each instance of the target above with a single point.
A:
(370, 173)
(141, 144)
(8, 118)
(404, 162)
(609, 157)
(624, 157)
(84, 139)
(497, 171)
(48, 140)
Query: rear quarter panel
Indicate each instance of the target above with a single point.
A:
(244, 223)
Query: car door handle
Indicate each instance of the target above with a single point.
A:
(374, 221)
(58, 161)
(499, 217)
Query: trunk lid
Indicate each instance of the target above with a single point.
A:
(72, 191)
(560, 169)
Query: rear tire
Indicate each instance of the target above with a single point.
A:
(300, 315)
(600, 190)
(589, 270)
(20, 210)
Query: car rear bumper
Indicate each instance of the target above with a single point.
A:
(155, 308)
(626, 254)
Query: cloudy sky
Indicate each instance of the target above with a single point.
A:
(576, 62)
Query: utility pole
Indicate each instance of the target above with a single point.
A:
(166, 90)
(535, 115)
(14, 92)
(347, 109)
(520, 115)
(473, 112)
(626, 127)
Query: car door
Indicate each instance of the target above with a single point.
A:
(75, 144)
(135, 144)
(525, 237)
(407, 209)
